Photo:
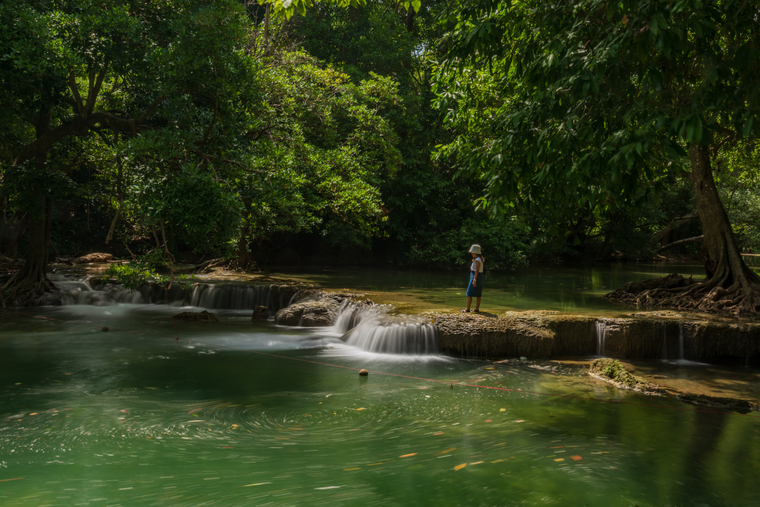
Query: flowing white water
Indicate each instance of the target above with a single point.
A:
(373, 329)
(203, 295)
(601, 336)
(680, 341)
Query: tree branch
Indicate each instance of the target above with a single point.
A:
(79, 126)
(75, 91)
(681, 242)
(92, 94)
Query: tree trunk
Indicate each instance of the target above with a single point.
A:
(730, 286)
(31, 281)
(245, 260)
(723, 262)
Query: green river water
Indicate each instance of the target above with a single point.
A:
(244, 413)
(577, 290)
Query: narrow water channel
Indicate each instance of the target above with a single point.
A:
(244, 413)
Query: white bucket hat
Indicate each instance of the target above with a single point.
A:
(475, 249)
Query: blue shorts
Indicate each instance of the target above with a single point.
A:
(476, 292)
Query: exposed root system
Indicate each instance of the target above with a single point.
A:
(24, 292)
(742, 297)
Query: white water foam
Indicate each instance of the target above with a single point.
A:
(374, 329)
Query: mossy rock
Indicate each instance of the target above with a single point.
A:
(613, 371)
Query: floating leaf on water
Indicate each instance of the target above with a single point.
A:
(439, 433)
(497, 445)
(520, 420)
(351, 469)
(576, 458)
(560, 459)
(361, 408)
(502, 410)
(330, 487)
(447, 451)
(477, 462)
(488, 420)
(257, 484)
(33, 413)
(408, 455)
(459, 467)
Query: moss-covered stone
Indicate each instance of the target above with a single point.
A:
(611, 370)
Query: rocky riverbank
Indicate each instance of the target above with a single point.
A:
(548, 334)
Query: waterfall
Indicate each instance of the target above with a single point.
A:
(373, 329)
(664, 341)
(226, 296)
(601, 336)
(680, 341)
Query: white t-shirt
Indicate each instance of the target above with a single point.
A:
(477, 265)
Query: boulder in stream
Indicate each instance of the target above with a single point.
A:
(312, 313)
(203, 316)
(317, 310)
(260, 313)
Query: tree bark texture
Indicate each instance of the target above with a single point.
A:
(730, 285)
(723, 262)
(31, 280)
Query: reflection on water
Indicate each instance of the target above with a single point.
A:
(242, 413)
(566, 289)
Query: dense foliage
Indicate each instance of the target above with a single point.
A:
(190, 129)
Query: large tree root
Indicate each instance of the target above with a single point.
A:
(676, 292)
(24, 292)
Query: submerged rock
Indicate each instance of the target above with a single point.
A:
(203, 316)
(260, 313)
(741, 406)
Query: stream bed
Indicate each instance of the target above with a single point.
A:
(156, 412)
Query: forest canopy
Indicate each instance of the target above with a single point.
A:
(307, 132)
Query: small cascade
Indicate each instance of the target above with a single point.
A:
(375, 330)
(680, 341)
(349, 316)
(203, 295)
(601, 336)
(664, 341)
